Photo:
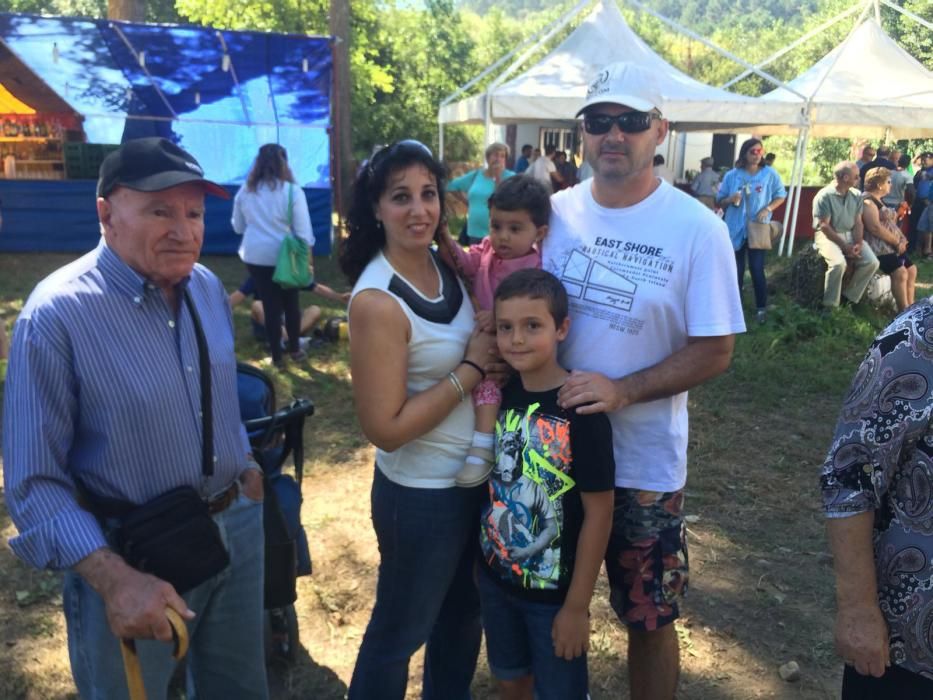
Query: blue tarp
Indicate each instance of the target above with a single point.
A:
(218, 94)
(61, 216)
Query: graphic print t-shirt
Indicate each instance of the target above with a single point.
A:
(545, 457)
(641, 281)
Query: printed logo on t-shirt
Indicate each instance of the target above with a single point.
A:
(584, 278)
(522, 526)
(603, 279)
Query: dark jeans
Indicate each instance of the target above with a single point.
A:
(426, 593)
(519, 643)
(275, 301)
(896, 683)
(914, 242)
(756, 267)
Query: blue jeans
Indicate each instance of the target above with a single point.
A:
(425, 594)
(756, 267)
(518, 643)
(225, 658)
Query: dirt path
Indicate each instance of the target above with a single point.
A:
(741, 621)
(761, 584)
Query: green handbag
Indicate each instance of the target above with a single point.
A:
(291, 267)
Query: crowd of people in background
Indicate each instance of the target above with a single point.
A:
(526, 397)
(872, 217)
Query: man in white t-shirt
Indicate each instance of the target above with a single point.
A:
(545, 170)
(651, 277)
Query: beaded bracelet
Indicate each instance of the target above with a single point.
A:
(455, 380)
(482, 372)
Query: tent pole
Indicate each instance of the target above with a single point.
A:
(535, 39)
(796, 184)
(152, 82)
(552, 30)
(671, 150)
(803, 159)
(908, 13)
(487, 121)
(791, 192)
(335, 149)
(236, 84)
(489, 69)
(787, 49)
(718, 49)
(440, 138)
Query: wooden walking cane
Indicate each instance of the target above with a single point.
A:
(134, 674)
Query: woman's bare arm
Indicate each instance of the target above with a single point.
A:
(379, 334)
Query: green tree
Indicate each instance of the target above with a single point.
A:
(156, 10)
(913, 36)
(426, 54)
(297, 16)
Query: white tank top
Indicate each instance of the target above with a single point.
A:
(440, 329)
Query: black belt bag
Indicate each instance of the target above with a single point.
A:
(173, 535)
(174, 538)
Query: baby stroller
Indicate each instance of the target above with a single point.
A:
(273, 436)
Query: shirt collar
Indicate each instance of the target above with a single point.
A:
(124, 278)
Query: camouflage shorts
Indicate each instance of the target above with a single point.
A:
(647, 557)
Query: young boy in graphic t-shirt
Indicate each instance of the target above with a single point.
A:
(545, 528)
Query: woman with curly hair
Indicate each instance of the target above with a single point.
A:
(415, 357)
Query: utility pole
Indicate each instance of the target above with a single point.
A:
(129, 10)
(341, 142)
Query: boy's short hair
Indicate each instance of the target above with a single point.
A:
(523, 193)
(536, 284)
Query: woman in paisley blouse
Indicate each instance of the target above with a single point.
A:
(877, 486)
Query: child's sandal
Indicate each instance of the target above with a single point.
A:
(473, 474)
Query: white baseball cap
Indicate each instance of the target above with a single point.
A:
(625, 84)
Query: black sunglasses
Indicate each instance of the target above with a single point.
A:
(628, 122)
(384, 154)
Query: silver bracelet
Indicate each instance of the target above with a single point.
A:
(455, 380)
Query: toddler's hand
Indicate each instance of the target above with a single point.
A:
(486, 321)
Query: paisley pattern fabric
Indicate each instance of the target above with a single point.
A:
(881, 460)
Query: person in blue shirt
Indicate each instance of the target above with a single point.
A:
(524, 160)
(104, 393)
(923, 195)
(750, 191)
(478, 186)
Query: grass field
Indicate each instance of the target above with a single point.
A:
(761, 579)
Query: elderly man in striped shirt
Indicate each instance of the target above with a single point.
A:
(104, 396)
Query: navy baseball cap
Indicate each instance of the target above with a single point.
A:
(151, 165)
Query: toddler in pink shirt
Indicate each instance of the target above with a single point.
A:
(519, 210)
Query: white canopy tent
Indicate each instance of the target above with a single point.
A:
(555, 87)
(867, 86)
